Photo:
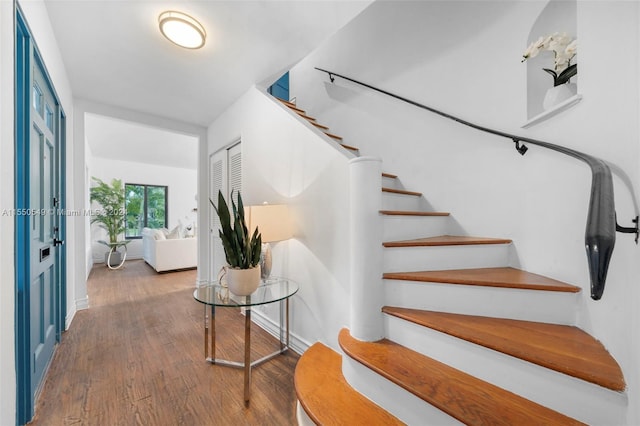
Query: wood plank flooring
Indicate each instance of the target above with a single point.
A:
(136, 358)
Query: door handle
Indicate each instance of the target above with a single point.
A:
(57, 242)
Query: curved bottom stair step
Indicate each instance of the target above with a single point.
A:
(566, 349)
(327, 398)
(464, 397)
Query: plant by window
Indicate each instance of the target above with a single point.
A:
(111, 216)
(564, 49)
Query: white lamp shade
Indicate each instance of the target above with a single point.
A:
(273, 221)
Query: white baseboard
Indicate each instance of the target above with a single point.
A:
(296, 343)
(69, 318)
(82, 303)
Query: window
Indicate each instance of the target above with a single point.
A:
(146, 206)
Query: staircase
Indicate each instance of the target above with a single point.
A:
(469, 339)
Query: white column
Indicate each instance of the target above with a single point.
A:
(365, 184)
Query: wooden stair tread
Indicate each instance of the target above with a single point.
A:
(284, 101)
(331, 135)
(445, 240)
(320, 126)
(464, 397)
(566, 349)
(349, 147)
(389, 175)
(411, 213)
(488, 277)
(305, 116)
(292, 106)
(326, 396)
(401, 191)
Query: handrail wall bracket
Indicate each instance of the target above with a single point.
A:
(600, 233)
(630, 230)
(522, 149)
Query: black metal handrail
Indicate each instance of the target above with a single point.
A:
(600, 233)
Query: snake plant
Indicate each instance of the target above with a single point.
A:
(241, 251)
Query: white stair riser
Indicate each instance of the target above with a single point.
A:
(392, 201)
(530, 305)
(575, 398)
(401, 259)
(391, 183)
(407, 227)
(397, 401)
(302, 417)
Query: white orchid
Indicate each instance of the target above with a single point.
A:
(533, 49)
(564, 49)
(571, 49)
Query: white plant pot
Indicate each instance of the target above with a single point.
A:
(243, 282)
(558, 94)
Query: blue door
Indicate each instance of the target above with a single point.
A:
(39, 221)
(43, 193)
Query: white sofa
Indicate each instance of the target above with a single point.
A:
(165, 253)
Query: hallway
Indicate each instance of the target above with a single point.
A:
(136, 357)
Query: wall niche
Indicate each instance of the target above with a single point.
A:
(557, 16)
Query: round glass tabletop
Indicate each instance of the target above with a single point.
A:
(272, 290)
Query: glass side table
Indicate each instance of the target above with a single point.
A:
(215, 295)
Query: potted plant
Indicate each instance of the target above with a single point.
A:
(110, 217)
(241, 251)
(564, 49)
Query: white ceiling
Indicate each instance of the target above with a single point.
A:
(127, 141)
(114, 53)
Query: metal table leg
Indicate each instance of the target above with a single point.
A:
(247, 355)
(210, 328)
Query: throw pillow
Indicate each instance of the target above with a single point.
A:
(159, 235)
(174, 234)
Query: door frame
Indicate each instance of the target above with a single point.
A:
(25, 50)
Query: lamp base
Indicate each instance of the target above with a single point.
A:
(265, 261)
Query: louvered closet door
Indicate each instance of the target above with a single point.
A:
(225, 174)
(235, 171)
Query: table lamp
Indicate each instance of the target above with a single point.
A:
(274, 224)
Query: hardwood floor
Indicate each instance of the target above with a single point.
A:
(136, 357)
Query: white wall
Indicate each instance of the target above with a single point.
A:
(182, 187)
(37, 18)
(285, 162)
(464, 58)
(7, 289)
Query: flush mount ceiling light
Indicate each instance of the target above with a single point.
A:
(182, 29)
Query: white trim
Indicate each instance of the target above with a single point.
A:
(547, 114)
(296, 343)
(69, 318)
(82, 303)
